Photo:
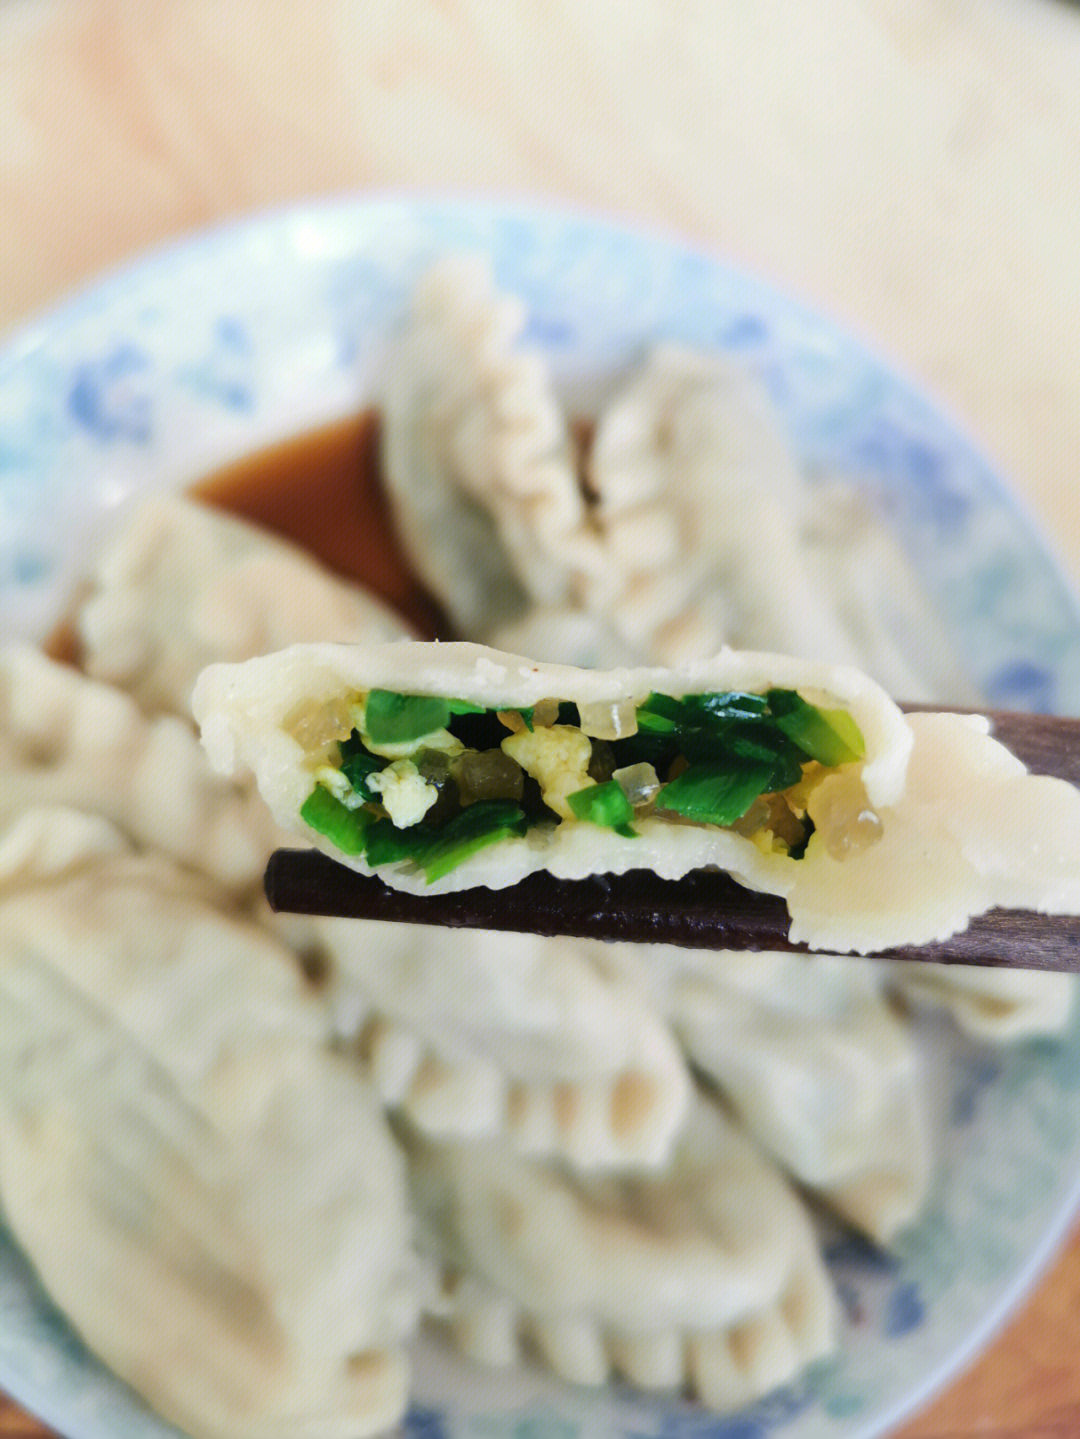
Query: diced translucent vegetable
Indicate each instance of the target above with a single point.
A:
(609, 721)
(488, 774)
(516, 720)
(434, 765)
(602, 760)
(639, 783)
(545, 712)
(314, 725)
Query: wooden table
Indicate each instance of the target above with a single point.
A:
(907, 166)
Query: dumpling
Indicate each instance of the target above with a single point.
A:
(548, 1042)
(816, 1065)
(997, 1004)
(296, 718)
(476, 456)
(697, 499)
(182, 586)
(706, 1275)
(211, 1196)
(712, 533)
(68, 740)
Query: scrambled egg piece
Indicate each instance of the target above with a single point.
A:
(440, 739)
(403, 791)
(339, 786)
(557, 757)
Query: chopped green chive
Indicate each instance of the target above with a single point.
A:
(716, 792)
(473, 829)
(345, 828)
(830, 736)
(392, 718)
(386, 844)
(731, 705)
(604, 804)
(660, 714)
(439, 851)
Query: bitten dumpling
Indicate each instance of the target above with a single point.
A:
(211, 1196)
(705, 1275)
(449, 765)
(182, 585)
(539, 755)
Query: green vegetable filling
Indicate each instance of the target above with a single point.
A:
(345, 828)
(717, 792)
(396, 719)
(438, 851)
(715, 756)
(604, 804)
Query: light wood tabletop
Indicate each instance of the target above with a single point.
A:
(907, 167)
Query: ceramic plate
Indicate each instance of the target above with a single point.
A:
(182, 361)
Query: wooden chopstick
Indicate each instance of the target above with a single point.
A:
(704, 910)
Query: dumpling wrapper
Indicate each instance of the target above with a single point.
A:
(211, 1197)
(972, 831)
(245, 712)
(69, 740)
(707, 1272)
(545, 1041)
(566, 635)
(182, 585)
(816, 1065)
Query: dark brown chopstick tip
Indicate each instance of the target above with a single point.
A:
(703, 910)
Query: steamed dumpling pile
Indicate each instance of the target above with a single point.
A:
(243, 1152)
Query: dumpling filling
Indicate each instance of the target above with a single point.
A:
(433, 780)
